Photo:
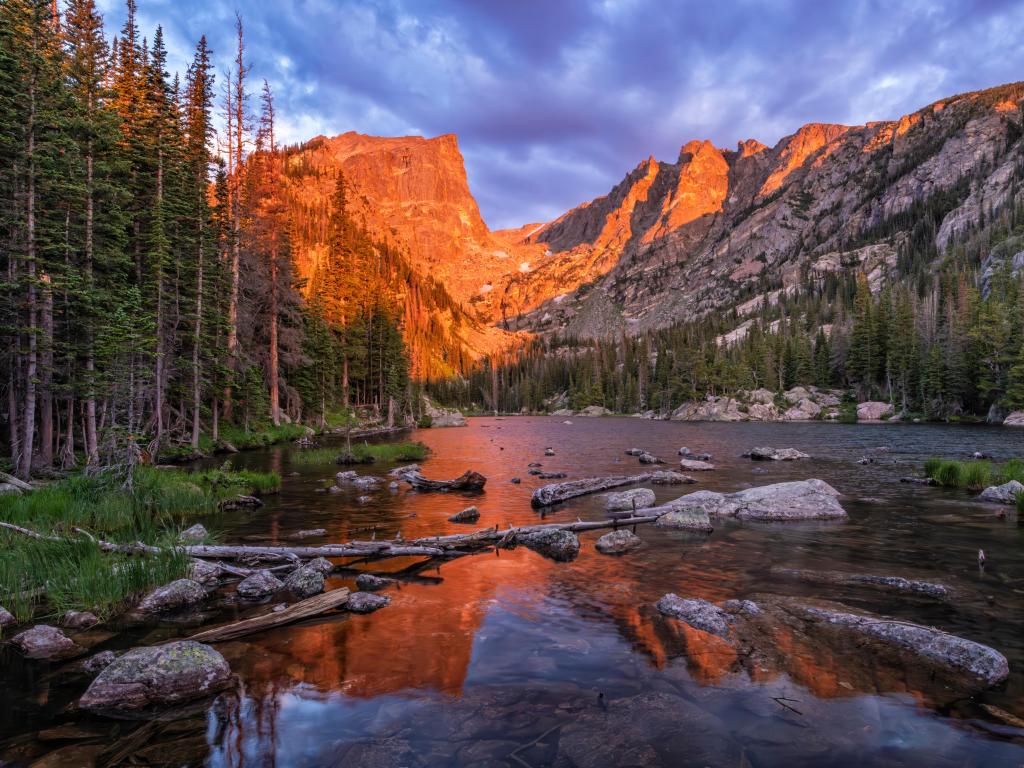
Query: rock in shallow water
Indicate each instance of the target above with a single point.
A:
(258, 585)
(468, 515)
(700, 614)
(635, 498)
(160, 676)
(797, 500)
(668, 477)
(45, 642)
(366, 602)
(687, 518)
(562, 546)
(1002, 494)
(178, 594)
(694, 465)
(618, 542)
(95, 664)
(777, 454)
(79, 620)
(305, 581)
(367, 582)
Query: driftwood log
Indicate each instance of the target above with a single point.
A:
(303, 609)
(468, 481)
(21, 485)
(547, 495)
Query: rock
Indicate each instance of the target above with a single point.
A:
(534, 464)
(635, 451)
(668, 477)
(344, 478)
(195, 533)
(594, 410)
(321, 564)
(364, 499)
(365, 483)
(6, 618)
(79, 620)
(7, 489)
(762, 412)
(367, 582)
(393, 485)
(468, 515)
(516, 480)
(893, 584)
(692, 465)
(618, 542)
(567, 422)
(305, 581)
(241, 501)
(797, 500)
(804, 410)
(646, 458)
(308, 533)
(635, 498)
(918, 480)
(551, 475)
(99, 662)
(684, 451)
(776, 454)
(400, 471)
(170, 597)
(687, 518)
(556, 492)
(259, 585)
(366, 602)
(562, 412)
(1015, 419)
(159, 676)
(562, 546)
(442, 417)
(45, 642)
(1002, 494)
(796, 394)
(549, 451)
(204, 573)
(874, 411)
(699, 614)
(332, 489)
(761, 396)
(712, 408)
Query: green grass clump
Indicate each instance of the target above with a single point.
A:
(1011, 470)
(973, 475)
(931, 466)
(950, 474)
(364, 453)
(225, 482)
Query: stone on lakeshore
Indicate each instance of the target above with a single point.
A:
(874, 411)
(468, 515)
(670, 477)
(79, 620)
(366, 602)
(1002, 494)
(45, 642)
(797, 500)
(562, 546)
(634, 498)
(618, 542)
(97, 663)
(305, 581)
(6, 618)
(594, 410)
(193, 534)
(776, 454)
(699, 614)
(686, 518)
(181, 593)
(204, 573)
(1015, 419)
(693, 465)
(647, 458)
(159, 676)
(259, 585)
(635, 451)
(367, 582)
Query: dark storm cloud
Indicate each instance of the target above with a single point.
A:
(555, 101)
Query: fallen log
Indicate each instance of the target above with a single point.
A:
(468, 481)
(547, 495)
(303, 609)
(18, 483)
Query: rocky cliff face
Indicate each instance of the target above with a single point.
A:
(677, 240)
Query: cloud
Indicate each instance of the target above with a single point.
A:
(554, 102)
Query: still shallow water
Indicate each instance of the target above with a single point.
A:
(511, 659)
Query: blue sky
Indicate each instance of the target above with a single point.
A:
(555, 100)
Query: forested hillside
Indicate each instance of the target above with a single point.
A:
(148, 303)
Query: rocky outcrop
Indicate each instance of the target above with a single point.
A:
(442, 417)
(710, 409)
(693, 465)
(1015, 419)
(160, 676)
(874, 411)
(618, 542)
(46, 643)
(776, 454)
(796, 500)
(562, 546)
(1006, 493)
(594, 410)
(635, 498)
(182, 593)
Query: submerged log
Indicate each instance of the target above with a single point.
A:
(303, 609)
(556, 492)
(468, 481)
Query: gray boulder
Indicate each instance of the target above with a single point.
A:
(1002, 494)
(699, 614)
(562, 546)
(686, 518)
(159, 676)
(344, 478)
(259, 585)
(874, 411)
(634, 498)
(365, 483)
(635, 451)
(366, 602)
(181, 593)
(202, 572)
(79, 620)
(1015, 419)
(193, 534)
(367, 582)
(647, 458)
(97, 663)
(45, 642)
(321, 564)
(6, 618)
(693, 465)
(797, 500)
(618, 542)
(777, 454)
(669, 477)
(305, 581)
(468, 515)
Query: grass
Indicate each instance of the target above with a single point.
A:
(240, 438)
(365, 453)
(973, 475)
(50, 577)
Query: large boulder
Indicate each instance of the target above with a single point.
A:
(559, 545)
(594, 410)
(1002, 494)
(690, 517)
(777, 454)
(563, 412)
(159, 676)
(193, 534)
(618, 542)
(699, 614)
(204, 573)
(305, 581)
(761, 396)
(79, 620)
(763, 412)
(45, 642)
(874, 411)
(694, 465)
(670, 477)
(259, 585)
(181, 593)
(442, 417)
(795, 395)
(6, 618)
(634, 498)
(1015, 419)
(804, 409)
(710, 409)
(797, 500)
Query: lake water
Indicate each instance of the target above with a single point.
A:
(509, 659)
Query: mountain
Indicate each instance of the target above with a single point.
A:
(720, 228)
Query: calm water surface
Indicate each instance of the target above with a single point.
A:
(511, 659)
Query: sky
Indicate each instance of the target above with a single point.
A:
(554, 101)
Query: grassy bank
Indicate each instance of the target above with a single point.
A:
(48, 578)
(235, 437)
(973, 475)
(364, 453)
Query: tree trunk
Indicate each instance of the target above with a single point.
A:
(197, 402)
(46, 379)
(275, 395)
(24, 466)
